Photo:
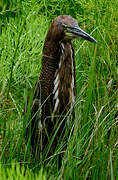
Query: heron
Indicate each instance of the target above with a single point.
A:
(55, 90)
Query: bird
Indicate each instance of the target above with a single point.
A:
(55, 90)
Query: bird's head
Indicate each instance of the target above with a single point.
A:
(64, 27)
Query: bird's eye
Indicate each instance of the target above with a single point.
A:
(65, 25)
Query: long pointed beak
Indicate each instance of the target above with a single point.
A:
(78, 32)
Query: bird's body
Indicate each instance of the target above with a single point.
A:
(55, 91)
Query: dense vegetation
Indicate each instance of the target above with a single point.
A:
(92, 151)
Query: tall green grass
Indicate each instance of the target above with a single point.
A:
(92, 150)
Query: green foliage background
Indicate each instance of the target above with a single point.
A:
(92, 151)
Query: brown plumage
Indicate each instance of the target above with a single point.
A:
(55, 91)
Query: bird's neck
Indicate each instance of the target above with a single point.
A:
(64, 82)
(51, 53)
